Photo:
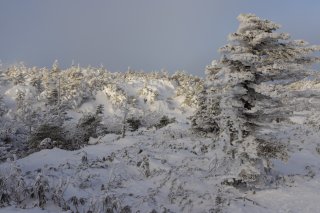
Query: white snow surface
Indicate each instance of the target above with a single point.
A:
(180, 177)
(169, 169)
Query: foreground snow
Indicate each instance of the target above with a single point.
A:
(170, 170)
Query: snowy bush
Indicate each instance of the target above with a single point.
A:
(87, 127)
(45, 131)
(13, 187)
(134, 124)
(3, 108)
(188, 86)
(46, 143)
(164, 121)
(116, 94)
(149, 95)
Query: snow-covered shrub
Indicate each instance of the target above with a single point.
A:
(164, 121)
(116, 94)
(318, 149)
(188, 86)
(99, 109)
(36, 82)
(145, 166)
(44, 131)
(87, 127)
(49, 124)
(17, 74)
(149, 118)
(40, 190)
(3, 108)
(8, 130)
(134, 124)
(20, 98)
(22, 192)
(13, 188)
(4, 194)
(269, 150)
(313, 121)
(46, 143)
(53, 97)
(203, 122)
(149, 95)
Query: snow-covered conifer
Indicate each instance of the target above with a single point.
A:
(203, 120)
(3, 108)
(20, 98)
(52, 85)
(256, 55)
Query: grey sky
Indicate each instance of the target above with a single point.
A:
(143, 34)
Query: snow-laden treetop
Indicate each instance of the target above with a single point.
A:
(257, 44)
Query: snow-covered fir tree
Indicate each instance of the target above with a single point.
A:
(256, 56)
(52, 84)
(3, 108)
(203, 120)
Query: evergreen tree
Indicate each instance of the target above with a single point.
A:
(36, 82)
(20, 98)
(87, 127)
(52, 85)
(53, 97)
(255, 56)
(3, 108)
(17, 74)
(203, 120)
(44, 131)
(100, 109)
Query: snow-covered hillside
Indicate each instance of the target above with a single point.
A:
(33, 101)
(164, 168)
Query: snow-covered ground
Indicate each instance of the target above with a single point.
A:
(171, 170)
(167, 169)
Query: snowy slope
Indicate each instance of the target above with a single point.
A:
(167, 169)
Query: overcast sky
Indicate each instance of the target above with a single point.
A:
(143, 34)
